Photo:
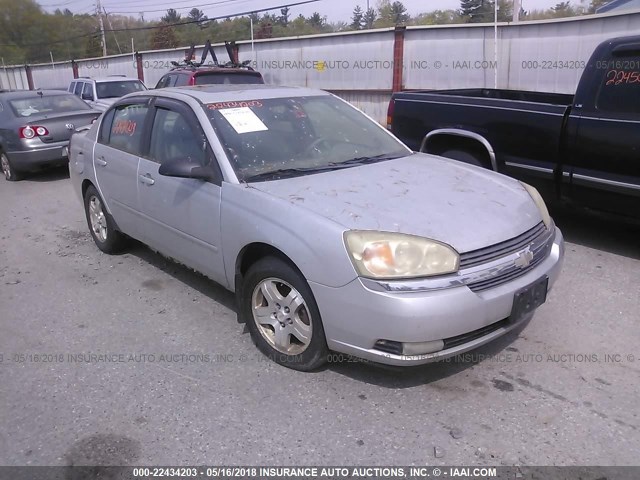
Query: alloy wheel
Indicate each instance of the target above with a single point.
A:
(282, 316)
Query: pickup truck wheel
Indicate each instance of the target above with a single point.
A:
(101, 225)
(466, 157)
(282, 316)
(10, 174)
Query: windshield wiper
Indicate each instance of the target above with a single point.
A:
(365, 160)
(292, 172)
(289, 172)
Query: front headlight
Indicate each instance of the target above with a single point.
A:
(537, 198)
(389, 255)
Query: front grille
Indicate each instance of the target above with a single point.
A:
(470, 336)
(539, 242)
(487, 254)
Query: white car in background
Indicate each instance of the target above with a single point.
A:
(100, 93)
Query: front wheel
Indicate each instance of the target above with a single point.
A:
(282, 316)
(10, 174)
(101, 225)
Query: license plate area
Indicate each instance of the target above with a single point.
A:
(529, 298)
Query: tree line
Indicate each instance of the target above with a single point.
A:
(29, 34)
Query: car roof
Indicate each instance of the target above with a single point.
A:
(114, 78)
(18, 94)
(232, 92)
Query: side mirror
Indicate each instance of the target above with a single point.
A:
(87, 96)
(185, 169)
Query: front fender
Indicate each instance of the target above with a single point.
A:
(312, 242)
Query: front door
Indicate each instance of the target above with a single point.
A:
(181, 216)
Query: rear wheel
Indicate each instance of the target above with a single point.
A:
(101, 225)
(10, 173)
(282, 316)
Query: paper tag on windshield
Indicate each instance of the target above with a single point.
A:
(243, 120)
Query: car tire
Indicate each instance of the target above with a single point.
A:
(282, 316)
(466, 157)
(9, 172)
(101, 225)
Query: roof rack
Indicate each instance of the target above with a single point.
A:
(187, 62)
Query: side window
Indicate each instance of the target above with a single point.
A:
(72, 86)
(78, 89)
(126, 129)
(87, 91)
(173, 138)
(182, 80)
(163, 83)
(620, 87)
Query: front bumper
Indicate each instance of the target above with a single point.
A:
(356, 315)
(47, 155)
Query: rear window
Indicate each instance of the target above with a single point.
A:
(118, 88)
(35, 105)
(222, 78)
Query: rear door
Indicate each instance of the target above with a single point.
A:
(181, 216)
(116, 157)
(605, 155)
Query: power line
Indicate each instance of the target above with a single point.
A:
(164, 25)
(181, 8)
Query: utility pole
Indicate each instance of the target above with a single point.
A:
(104, 40)
(517, 6)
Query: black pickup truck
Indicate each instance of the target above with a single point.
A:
(584, 148)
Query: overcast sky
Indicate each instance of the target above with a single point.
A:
(334, 10)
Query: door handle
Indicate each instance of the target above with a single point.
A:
(101, 161)
(146, 179)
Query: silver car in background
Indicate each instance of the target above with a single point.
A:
(35, 128)
(333, 234)
(101, 93)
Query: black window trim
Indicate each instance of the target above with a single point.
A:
(189, 115)
(146, 101)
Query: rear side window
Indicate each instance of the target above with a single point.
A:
(78, 88)
(125, 130)
(167, 81)
(182, 80)
(71, 87)
(620, 87)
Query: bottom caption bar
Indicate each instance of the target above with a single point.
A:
(334, 473)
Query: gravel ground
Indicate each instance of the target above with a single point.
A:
(189, 387)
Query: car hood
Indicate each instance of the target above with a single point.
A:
(464, 206)
(104, 103)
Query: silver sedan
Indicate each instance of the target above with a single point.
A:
(333, 234)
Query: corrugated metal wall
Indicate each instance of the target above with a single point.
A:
(13, 78)
(55, 76)
(358, 66)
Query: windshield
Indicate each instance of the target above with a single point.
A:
(118, 89)
(218, 78)
(270, 138)
(25, 107)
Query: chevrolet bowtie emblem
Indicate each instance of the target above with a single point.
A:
(524, 258)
